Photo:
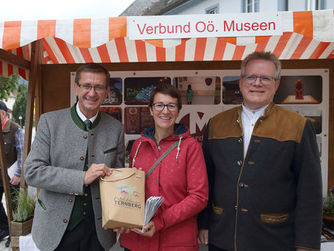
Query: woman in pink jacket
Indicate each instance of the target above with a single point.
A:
(180, 178)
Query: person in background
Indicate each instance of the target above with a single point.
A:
(180, 178)
(263, 165)
(72, 149)
(190, 95)
(13, 138)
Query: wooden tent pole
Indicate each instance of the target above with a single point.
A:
(12, 59)
(34, 80)
(38, 98)
(5, 179)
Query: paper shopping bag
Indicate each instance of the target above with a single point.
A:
(123, 198)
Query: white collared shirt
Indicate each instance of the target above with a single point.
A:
(82, 116)
(249, 118)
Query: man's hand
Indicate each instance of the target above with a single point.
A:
(15, 180)
(203, 236)
(149, 230)
(95, 171)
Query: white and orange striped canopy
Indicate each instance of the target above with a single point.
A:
(306, 35)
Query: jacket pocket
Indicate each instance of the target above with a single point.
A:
(183, 234)
(110, 150)
(274, 218)
(217, 210)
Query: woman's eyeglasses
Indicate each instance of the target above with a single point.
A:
(172, 107)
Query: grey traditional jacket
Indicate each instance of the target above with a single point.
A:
(271, 199)
(55, 165)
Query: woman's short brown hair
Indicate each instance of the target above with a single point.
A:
(166, 89)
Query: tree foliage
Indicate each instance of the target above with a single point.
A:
(19, 107)
(8, 85)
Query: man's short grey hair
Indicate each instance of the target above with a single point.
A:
(92, 67)
(264, 56)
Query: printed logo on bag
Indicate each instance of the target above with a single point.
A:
(128, 190)
(127, 197)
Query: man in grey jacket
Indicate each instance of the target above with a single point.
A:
(72, 149)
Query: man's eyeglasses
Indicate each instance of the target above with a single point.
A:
(88, 87)
(265, 80)
(160, 106)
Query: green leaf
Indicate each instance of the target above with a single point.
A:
(19, 107)
(8, 85)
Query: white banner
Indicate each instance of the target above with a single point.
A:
(213, 25)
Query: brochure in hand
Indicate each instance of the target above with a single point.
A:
(151, 206)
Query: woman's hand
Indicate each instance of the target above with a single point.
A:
(121, 230)
(203, 236)
(149, 230)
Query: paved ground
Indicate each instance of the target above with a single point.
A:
(2, 246)
(115, 248)
(2, 243)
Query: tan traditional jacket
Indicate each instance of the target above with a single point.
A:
(272, 198)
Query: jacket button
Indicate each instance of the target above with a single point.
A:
(239, 162)
(235, 207)
(244, 210)
(85, 136)
(70, 200)
(65, 220)
(240, 140)
(242, 185)
(82, 157)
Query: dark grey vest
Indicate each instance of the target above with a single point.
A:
(9, 144)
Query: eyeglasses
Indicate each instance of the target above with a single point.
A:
(160, 106)
(88, 87)
(265, 80)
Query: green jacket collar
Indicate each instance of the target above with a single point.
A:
(76, 119)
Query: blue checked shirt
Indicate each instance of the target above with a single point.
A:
(19, 139)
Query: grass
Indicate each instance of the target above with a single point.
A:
(25, 206)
